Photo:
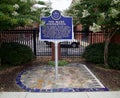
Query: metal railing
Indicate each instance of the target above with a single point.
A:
(30, 37)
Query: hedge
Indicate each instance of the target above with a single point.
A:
(95, 53)
(15, 53)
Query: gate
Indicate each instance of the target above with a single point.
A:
(27, 37)
(72, 49)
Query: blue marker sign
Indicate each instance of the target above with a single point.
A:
(56, 27)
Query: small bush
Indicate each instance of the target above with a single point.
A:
(15, 53)
(95, 53)
(114, 62)
(60, 63)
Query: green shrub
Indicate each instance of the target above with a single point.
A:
(15, 53)
(95, 53)
(60, 63)
(114, 62)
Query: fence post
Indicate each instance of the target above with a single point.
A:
(91, 37)
(53, 52)
(34, 40)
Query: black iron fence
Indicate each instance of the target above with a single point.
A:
(26, 37)
(30, 37)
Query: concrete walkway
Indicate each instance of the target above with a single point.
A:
(114, 94)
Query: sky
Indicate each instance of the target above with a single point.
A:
(59, 4)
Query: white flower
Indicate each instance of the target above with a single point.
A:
(33, 9)
(42, 14)
(113, 13)
(77, 1)
(23, 1)
(115, 2)
(102, 15)
(95, 28)
(76, 11)
(118, 23)
(86, 5)
(30, 21)
(43, 10)
(16, 6)
(15, 13)
(85, 13)
(48, 4)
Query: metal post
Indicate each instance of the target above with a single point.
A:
(91, 37)
(56, 60)
(34, 41)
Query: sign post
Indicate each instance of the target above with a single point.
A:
(56, 60)
(56, 28)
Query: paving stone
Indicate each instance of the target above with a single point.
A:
(42, 78)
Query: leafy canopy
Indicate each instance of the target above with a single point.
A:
(15, 13)
(99, 14)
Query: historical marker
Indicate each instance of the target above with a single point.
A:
(56, 28)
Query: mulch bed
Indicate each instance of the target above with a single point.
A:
(7, 79)
(110, 78)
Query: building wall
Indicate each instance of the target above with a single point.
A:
(94, 37)
(91, 37)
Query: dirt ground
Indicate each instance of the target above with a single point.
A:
(110, 78)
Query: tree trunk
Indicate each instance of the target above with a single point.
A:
(107, 41)
(110, 33)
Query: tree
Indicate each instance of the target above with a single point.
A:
(98, 15)
(15, 13)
